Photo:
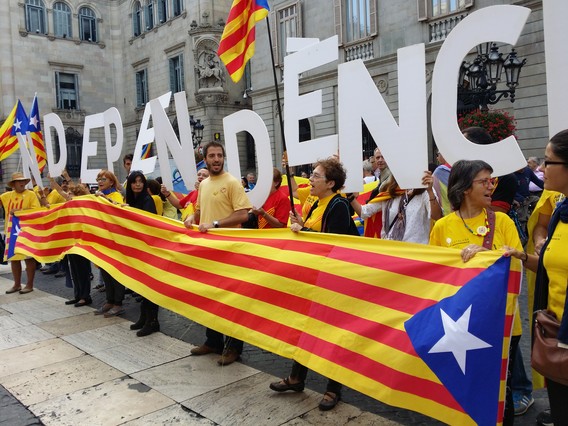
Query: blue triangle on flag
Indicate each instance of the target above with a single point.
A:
(14, 232)
(479, 306)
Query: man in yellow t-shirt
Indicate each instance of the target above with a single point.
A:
(19, 199)
(221, 203)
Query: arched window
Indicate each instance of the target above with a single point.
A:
(87, 24)
(162, 11)
(137, 19)
(61, 20)
(35, 16)
(150, 15)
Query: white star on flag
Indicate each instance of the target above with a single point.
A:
(457, 339)
(18, 125)
(33, 121)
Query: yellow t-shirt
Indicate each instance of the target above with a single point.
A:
(450, 231)
(55, 197)
(116, 197)
(13, 200)
(306, 200)
(557, 268)
(219, 197)
(315, 220)
(159, 205)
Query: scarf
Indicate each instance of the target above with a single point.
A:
(541, 291)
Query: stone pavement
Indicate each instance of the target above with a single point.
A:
(63, 365)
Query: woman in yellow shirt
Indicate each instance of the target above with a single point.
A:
(470, 228)
(552, 275)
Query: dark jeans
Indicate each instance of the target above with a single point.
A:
(114, 290)
(509, 415)
(81, 273)
(300, 372)
(558, 398)
(520, 382)
(149, 306)
(216, 340)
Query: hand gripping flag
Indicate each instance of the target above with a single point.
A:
(335, 303)
(238, 39)
(8, 143)
(36, 135)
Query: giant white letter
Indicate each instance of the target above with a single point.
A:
(404, 147)
(182, 150)
(90, 147)
(250, 121)
(52, 120)
(481, 26)
(298, 107)
(555, 13)
(112, 116)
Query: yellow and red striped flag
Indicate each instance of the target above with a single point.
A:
(34, 128)
(238, 39)
(8, 143)
(371, 314)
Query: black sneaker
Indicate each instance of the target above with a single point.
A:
(544, 418)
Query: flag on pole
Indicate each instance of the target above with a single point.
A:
(8, 143)
(20, 124)
(238, 40)
(36, 135)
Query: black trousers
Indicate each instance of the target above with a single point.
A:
(300, 372)
(114, 290)
(217, 340)
(80, 268)
(558, 398)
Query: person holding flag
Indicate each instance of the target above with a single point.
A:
(18, 199)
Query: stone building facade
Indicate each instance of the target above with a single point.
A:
(373, 30)
(83, 57)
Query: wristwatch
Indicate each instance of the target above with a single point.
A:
(215, 223)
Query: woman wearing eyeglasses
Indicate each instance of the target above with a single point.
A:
(552, 274)
(330, 214)
(473, 227)
(108, 187)
(108, 184)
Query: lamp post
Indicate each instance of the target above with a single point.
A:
(196, 131)
(478, 80)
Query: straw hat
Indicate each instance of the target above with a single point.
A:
(17, 176)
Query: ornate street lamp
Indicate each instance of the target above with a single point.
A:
(477, 85)
(196, 131)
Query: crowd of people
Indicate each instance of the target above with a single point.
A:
(460, 206)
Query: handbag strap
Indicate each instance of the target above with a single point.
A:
(488, 239)
(401, 208)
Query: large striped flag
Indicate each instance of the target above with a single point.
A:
(34, 128)
(8, 143)
(238, 39)
(408, 324)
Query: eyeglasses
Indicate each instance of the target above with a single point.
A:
(551, 163)
(102, 179)
(317, 176)
(485, 182)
